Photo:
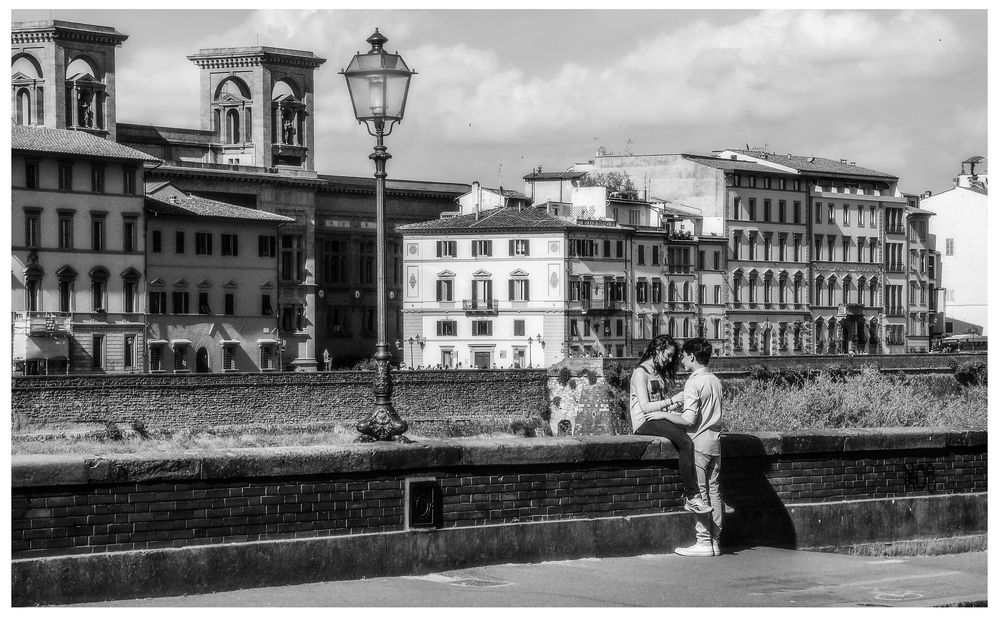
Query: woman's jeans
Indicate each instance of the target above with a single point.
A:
(684, 446)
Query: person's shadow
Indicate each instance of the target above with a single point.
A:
(754, 514)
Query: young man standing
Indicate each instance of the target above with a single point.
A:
(702, 410)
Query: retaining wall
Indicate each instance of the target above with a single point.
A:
(429, 400)
(734, 366)
(127, 526)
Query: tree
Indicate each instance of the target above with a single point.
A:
(613, 181)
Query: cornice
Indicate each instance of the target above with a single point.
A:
(254, 59)
(52, 33)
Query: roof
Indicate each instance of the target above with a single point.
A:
(508, 193)
(915, 211)
(503, 218)
(729, 165)
(68, 142)
(198, 207)
(543, 176)
(399, 185)
(815, 164)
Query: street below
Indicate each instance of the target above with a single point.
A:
(752, 577)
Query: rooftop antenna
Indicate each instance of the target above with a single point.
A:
(499, 173)
(627, 147)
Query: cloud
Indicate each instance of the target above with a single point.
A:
(847, 81)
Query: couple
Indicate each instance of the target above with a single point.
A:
(691, 420)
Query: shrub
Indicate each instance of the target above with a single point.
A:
(526, 427)
(616, 377)
(367, 364)
(590, 376)
(972, 374)
(557, 401)
(572, 384)
(139, 428)
(563, 376)
(112, 432)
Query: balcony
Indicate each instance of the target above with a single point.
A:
(480, 307)
(43, 323)
(894, 267)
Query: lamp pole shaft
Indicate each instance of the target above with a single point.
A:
(383, 423)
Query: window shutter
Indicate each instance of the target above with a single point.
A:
(439, 254)
(475, 248)
(439, 298)
(511, 290)
(527, 247)
(527, 290)
(513, 244)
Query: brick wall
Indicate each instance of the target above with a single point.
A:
(429, 400)
(76, 505)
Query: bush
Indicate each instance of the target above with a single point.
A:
(616, 377)
(557, 401)
(786, 377)
(590, 376)
(972, 374)
(572, 384)
(139, 428)
(528, 427)
(112, 432)
(563, 376)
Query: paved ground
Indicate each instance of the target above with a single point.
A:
(751, 577)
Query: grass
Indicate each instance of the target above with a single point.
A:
(765, 403)
(110, 439)
(868, 399)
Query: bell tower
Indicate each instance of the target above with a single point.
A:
(63, 75)
(258, 102)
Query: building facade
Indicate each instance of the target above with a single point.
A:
(213, 271)
(962, 237)
(254, 148)
(77, 255)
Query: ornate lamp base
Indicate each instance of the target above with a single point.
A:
(383, 425)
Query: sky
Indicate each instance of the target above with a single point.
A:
(501, 92)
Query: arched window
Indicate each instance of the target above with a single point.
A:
(671, 327)
(861, 289)
(818, 291)
(129, 289)
(873, 293)
(686, 293)
(67, 280)
(22, 113)
(232, 126)
(832, 291)
(737, 287)
(99, 289)
(846, 290)
(32, 287)
(686, 327)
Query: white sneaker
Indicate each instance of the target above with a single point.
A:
(701, 548)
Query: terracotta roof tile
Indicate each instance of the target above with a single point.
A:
(68, 142)
(198, 207)
(815, 164)
(504, 218)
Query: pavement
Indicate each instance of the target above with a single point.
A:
(751, 577)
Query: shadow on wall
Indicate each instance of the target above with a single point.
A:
(755, 515)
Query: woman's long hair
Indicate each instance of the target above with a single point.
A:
(658, 344)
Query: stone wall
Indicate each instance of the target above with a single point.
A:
(90, 528)
(432, 401)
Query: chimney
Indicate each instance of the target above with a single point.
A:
(477, 196)
(842, 161)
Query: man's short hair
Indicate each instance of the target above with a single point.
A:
(700, 348)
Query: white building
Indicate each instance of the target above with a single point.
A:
(961, 231)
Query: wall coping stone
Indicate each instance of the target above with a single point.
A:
(57, 470)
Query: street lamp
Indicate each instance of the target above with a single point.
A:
(411, 340)
(378, 83)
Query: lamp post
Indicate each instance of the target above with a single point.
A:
(378, 83)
